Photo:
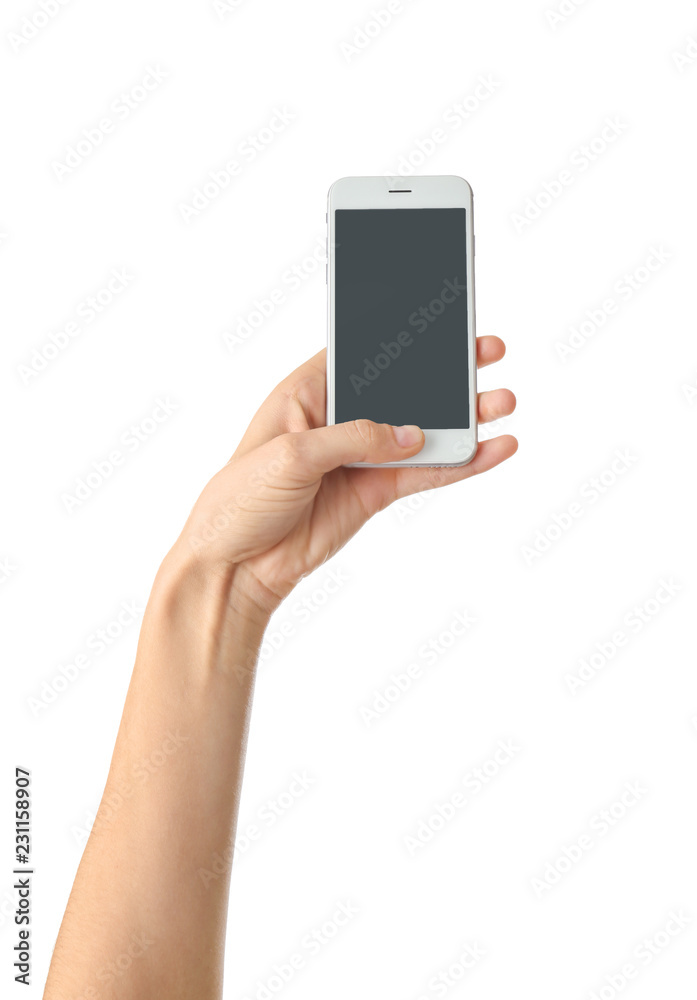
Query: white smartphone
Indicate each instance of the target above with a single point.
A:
(402, 344)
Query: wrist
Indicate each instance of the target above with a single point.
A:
(215, 612)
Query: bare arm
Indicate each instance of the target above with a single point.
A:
(143, 917)
(147, 912)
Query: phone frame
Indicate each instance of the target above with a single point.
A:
(443, 447)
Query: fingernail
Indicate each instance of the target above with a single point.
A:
(407, 435)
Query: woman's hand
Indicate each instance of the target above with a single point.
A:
(157, 863)
(284, 504)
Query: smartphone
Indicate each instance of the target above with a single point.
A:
(401, 343)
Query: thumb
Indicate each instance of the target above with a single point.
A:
(325, 448)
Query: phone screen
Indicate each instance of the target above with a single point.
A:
(400, 324)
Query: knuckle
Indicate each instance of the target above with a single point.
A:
(301, 395)
(273, 461)
(289, 448)
(364, 431)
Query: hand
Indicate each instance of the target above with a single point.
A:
(284, 504)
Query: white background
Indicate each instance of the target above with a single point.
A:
(630, 387)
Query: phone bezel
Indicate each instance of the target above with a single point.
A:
(443, 447)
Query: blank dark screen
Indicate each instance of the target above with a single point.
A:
(401, 316)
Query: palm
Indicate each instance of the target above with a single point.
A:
(301, 526)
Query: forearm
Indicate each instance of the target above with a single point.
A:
(142, 900)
